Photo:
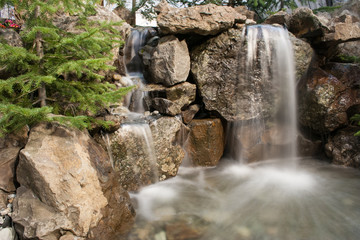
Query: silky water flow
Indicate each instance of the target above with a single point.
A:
(282, 198)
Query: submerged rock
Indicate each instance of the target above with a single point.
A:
(207, 19)
(343, 147)
(205, 145)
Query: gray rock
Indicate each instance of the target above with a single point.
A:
(133, 156)
(343, 147)
(169, 134)
(304, 23)
(170, 101)
(303, 55)
(189, 113)
(281, 17)
(207, 19)
(34, 219)
(11, 37)
(165, 106)
(324, 101)
(219, 69)
(7, 233)
(169, 62)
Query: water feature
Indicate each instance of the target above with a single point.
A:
(272, 199)
(134, 69)
(271, 132)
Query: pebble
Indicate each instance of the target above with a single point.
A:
(1, 220)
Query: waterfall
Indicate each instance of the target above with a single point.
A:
(134, 69)
(269, 67)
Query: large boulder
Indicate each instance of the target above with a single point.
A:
(219, 69)
(169, 134)
(170, 61)
(323, 102)
(207, 19)
(205, 145)
(305, 24)
(64, 177)
(343, 147)
(303, 55)
(281, 17)
(345, 27)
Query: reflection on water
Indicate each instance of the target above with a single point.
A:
(257, 201)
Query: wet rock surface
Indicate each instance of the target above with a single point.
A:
(204, 20)
(342, 148)
(205, 145)
(323, 102)
(169, 134)
(133, 156)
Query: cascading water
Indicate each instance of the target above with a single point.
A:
(271, 133)
(134, 69)
(265, 200)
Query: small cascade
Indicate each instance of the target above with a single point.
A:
(269, 67)
(134, 69)
(138, 157)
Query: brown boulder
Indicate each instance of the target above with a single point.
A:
(207, 19)
(205, 145)
(68, 184)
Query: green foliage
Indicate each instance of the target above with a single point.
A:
(326, 9)
(70, 67)
(356, 118)
(348, 59)
(14, 117)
